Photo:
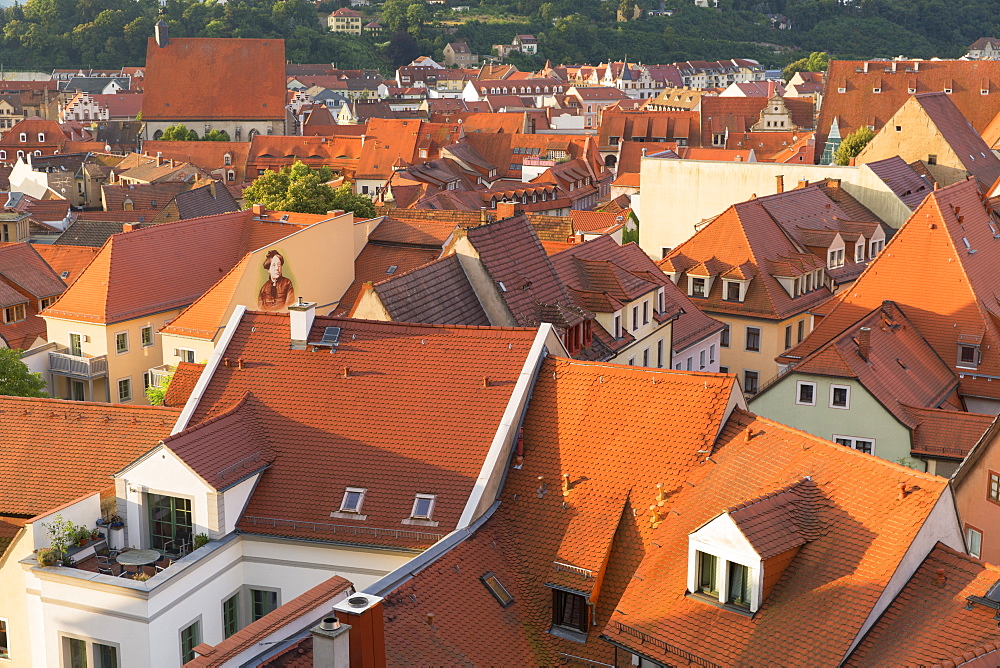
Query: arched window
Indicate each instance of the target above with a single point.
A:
(228, 159)
(157, 134)
(3, 155)
(38, 152)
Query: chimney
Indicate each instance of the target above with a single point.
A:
(161, 33)
(128, 227)
(780, 182)
(159, 158)
(833, 183)
(939, 577)
(865, 342)
(258, 209)
(506, 210)
(803, 183)
(367, 638)
(300, 316)
(331, 644)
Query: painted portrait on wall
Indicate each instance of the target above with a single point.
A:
(277, 292)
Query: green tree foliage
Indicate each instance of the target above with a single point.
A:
(179, 132)
(817, 61)
(303, 189)
(156, 393)
(15, 377)
(851, 145)
(216, 135)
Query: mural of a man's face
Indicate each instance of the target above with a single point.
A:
(275, 268)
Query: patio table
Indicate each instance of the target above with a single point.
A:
(137, 557)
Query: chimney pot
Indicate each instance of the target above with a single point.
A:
(239, 363)
(430, 619)
(834, 183)
(486, 381)
(258, 209)
(347, 372)
(565, 484)
(902, 491)
(330, 624)
(865, 342)
(939, 577)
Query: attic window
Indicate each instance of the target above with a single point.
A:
(968, 356)
(423, 506)
(499, 592)
(64, 275)
(392, 269)
(912, 90)
(354, 497)
(876, 90)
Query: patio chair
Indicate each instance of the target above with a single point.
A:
(105, 571)
(163, 564)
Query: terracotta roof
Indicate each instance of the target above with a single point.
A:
(150, 198)
(182, 384)
(904, 181)
(928, 623)
(238, 79)
(627, 180)
(22, 266)
(437, 293)
(430, 231)
(9, 528)
(538, 536)
(738, 114)
(978, 159)
(322, 596)
(85, 443)
(946, 433)
(207, 315)
(962, 305)
(207, 200)
(747, 234)
(428, 384)
(374, 263)
(107, 291)
(551, 228)
(513, 256)
(597, 222)
(208, 155)
(71, 260)
(780, 520)
(858, 105)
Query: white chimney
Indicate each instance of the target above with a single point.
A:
(331, 644)
(161, 33)
(301, 315)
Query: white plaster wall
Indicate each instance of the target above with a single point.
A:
(234, 500)
(85, 511)
(694, 351)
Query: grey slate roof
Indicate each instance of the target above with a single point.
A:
(437, 293)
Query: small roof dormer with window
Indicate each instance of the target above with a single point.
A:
(735, 559)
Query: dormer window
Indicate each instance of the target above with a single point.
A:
(23, 137)
(661, 305)
(41, 137)
(875, 247)
(735, 291)
(968, 356)
(227, 159)
(859, 250)
(835, 258)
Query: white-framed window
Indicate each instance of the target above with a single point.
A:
(631, 361)
(859, 250)
(701, 359)
(230, 175)
(635, 318)
(661, 305)
(840, 396)
(23, 137)
(645, 311)
(697, 287)
(865, 445)
(4, 640)
(41, 137)
(186, 354)
(659, 354)
(3, 155)
(974, 541)
(423, 506)
(124, 390)
(146, 336)
(753, 339)
(121, 343)
(835, 258)
(227, 160)
(968, 356)
(805, 393)
(711, 354)
(618, 325)
(354, 498)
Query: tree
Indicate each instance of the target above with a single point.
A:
(304, 190)
(817, 61)
(852, 144)
(216, 135)
(16, 379)
(179, 132)
(156, 393)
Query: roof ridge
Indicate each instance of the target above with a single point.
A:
(764, 497)
(215, 418)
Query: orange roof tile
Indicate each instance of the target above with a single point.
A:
(964, 140)
(928, 623)
(962, 305)
(71, 260)
(85, 443)
(322, 596)
(946, 433)
(206, 317)
(182, 384)
(238, 79)
(437, 420)
(374, 263)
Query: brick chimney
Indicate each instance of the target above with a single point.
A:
(331, 644)
(506, 210)
(865, 342)
(300, 320)
(833, 183)
(804, 183)
(780, 179)
(258, 209)
(363, 612)
(128, 227)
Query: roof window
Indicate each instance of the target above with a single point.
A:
(423, 506)
(499, 592)
(354, 497)
(392, 269)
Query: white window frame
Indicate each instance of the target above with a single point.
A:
(618, 324)
(847, 404)
(859, 251)
(361, 500)
(691, 280)
(969, 531)
(182, 354)
(127, 346)
(142, 330)
(853, 441)
(118, 389)
(798, 393)
(430, 509)
(5, 650)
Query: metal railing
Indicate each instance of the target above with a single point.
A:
(569, 568)
(243, 463)
(159, 374)
(344, 529)
(77, 366)
(645, 638)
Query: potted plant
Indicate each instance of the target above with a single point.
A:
(200, 540)
(47, 556)
(82, 535)
(116, 522)
(62, 534)
(141, 577)
(94, 534)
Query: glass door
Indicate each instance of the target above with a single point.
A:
(75, 345)
(169, 522)
(76, 390)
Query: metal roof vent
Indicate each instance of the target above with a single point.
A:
(357, 601)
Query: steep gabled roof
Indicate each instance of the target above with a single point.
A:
(962, 306)
(436, 293)
(946, 433)
(21, 265)
(55, 451)
(978, 159)
(237, 79)
(904, 181)
(434, 423)
(375, 262)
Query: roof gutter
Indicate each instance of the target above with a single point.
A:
(206, 375)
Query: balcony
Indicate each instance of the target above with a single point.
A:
(158, 374)
(77, 366)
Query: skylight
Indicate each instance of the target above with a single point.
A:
(353, 498)
(501, 594)
(392, 269)
(423, 506)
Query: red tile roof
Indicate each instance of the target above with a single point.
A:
(858, 105)
(436, 420)
(233, 79)
(959, 308)
(208, 155)
(928, 623)
(374, 263)
(85, 443)
(946, 433)
(978, 159)
(322, 596)
(904, 181)
(182, 384)
(206, 316)
(438, 292)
